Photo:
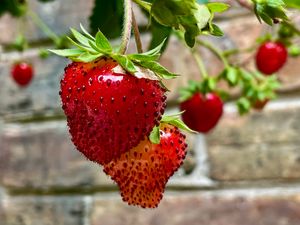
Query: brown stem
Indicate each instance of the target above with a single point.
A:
(246, 4)
(137, 35)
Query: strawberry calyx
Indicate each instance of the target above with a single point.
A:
(174, 120)
(89, 48)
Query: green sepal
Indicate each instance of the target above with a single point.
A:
(126, 63)
(177, 122)
(154, 136)
(67, 52)
(103, 43)
(161, 71)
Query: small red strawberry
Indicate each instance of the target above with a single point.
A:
(202, 112)
(108, 111)
(142, 173)
(259, 105)
(22, 73)
(270, 57)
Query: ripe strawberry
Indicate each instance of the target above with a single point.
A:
(270, 57)
(109, 112)
(202, 112)
(142, 173)
(22, 73)
(259, 105)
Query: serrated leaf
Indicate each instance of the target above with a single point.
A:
(102, 42)
(126, 63)
(67, 52)
(217, 7)
(161, 71)
(155, 135)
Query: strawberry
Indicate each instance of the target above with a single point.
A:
(22, 73)
(142, 173)
(259, 105)
(108, 111)
(202, 112)
(270, 57)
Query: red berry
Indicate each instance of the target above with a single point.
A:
(259, 105)
(22, 73)
(270, 57)
(108, 112)
(202, 112)
(142, 173)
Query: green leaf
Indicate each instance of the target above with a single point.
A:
(86, 33)
(293, 3)
(216, 31)
(232, 76)
(80, 38)
(161, 71)
(84, 48)
(186, 14)
(87, 57)
(126, 63)
(174, 120)
(268, 10)
(67, 52)
(217, 7)
(142, 57)
(244, 105)
(107, 15)
(155, 135)
(156, 50)
(102, 42)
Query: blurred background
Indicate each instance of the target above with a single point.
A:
(244, 172)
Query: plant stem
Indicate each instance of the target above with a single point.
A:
(137, 35)
(215, 51)
(246, 4)
(200, 64)
(127, 26)
(40, 23)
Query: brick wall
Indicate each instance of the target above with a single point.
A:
(246, 171)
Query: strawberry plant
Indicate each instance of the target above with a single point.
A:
(115, 102)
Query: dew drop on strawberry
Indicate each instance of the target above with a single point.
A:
(106, 113)
(142, 173)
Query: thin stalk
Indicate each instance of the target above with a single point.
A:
(137, 35)
(246, 4)
(215, 51)
(200, 64)
(127, 26)
(39, 22)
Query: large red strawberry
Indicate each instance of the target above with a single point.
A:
(142, 173)
(22, 73)
(109, 112)
(202, 112)
(270, 57)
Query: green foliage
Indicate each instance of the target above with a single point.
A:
(89, 48)
(107, 15)
(270, 10)
(14, 7)
(292, 3)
